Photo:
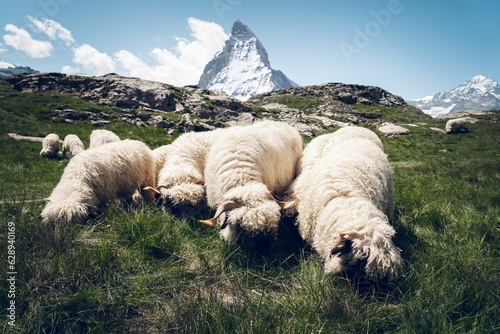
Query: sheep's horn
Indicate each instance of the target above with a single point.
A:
(226, 206)
(151, 189)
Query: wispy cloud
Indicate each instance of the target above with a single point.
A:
(185, 63)
(52, 29)
(22, 40)
(93, 61)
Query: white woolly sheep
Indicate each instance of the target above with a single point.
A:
(95, 177)
(101, 137)
(324, 143)
(72, 145)
(181, 179)
(246, 167)
(50, 146)
(456, 125)
(344, 201)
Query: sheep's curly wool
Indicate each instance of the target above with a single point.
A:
(322, 144)
(245, 167)
(96, 177)
(344, 201)
(160, 154)
(72, 145)
(50, 146)
(181, 179)
(101, 137)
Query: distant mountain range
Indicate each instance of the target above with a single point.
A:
(242, 68)
(477, 93)
(7, 70)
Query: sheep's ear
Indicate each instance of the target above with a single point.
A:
(224, 207)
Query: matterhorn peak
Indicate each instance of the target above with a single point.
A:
(240, 30)
(242, 68)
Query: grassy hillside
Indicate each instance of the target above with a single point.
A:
(146, 269)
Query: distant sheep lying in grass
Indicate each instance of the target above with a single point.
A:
(456, 125)
(72, 145)
(50, 146)
(245, 168)
(101, 137)
(181, 179)
(95, 177)
(344, 198)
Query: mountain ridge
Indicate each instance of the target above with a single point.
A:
(477, 93)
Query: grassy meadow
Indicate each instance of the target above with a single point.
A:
(147, 269)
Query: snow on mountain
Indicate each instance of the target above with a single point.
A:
(7, 70)
(477, 93)
(242, 69)
(4, 64)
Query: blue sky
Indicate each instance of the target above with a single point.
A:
(411, 48)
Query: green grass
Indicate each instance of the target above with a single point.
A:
(148, 270)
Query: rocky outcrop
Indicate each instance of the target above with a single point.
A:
(135, 100)
(311, 109)
(319, 107)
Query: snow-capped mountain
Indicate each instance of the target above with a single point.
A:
(477, 93)
(7, 70)
(242, 69)
(4, 64)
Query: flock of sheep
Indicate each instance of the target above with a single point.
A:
(339, 186)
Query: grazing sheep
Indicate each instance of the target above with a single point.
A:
(181, 180)
(324, 143)
(96, 177)
(245, 168)
(344, 201)
(101, 137)
(72, 145)
(50, 146)
(456, 125)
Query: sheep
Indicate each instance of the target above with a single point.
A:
(101, 137)
(245, 169)
(95, 177)
(323, 143)
(344, 200)
(50, 146)
(181, 180)
(72, 145)
(456, 125)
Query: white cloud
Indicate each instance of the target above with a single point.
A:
(185, 63)
(70, 70)
(21, 40)
(52, 29)
(93, 61)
